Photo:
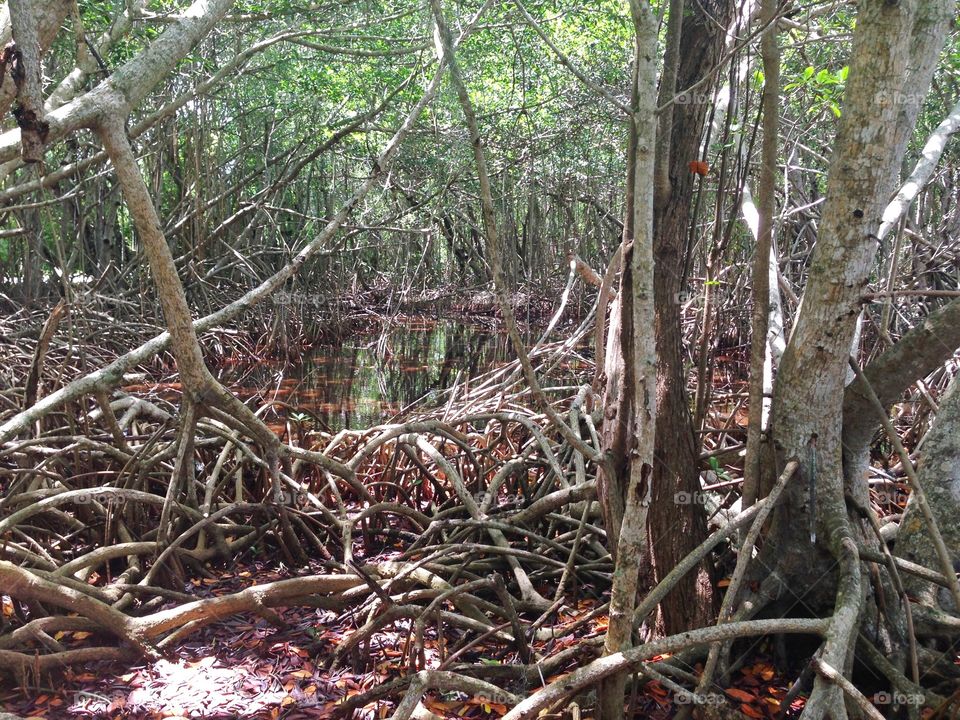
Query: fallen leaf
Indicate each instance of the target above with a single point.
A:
(740, 695)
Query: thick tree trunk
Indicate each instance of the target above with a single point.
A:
(807, 407)
(811, 532)
(677, 528)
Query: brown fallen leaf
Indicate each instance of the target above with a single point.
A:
(741, 695)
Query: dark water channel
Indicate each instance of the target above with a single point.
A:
(366, 377)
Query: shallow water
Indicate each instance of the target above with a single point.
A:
(365, 378)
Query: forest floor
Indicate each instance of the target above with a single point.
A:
(287, 664)
(244, 667)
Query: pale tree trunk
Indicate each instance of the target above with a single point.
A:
(811, 530)
(868, 153)
(640, 357)
(43, 21)
(940, 479)
(920, 351)
(767, 188)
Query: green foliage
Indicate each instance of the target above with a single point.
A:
(822, 89)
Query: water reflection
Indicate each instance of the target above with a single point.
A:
(369, 376)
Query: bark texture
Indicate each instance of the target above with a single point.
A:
(807, 408)
(676, 528)
(940, 479)
(640, 358)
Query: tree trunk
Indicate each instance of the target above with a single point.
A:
(811, 532)
(807, 408)
(676, 528)
(762, 281)
(639, 361)
(918, 353)
(940, 478)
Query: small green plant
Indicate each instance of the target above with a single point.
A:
(718, 471)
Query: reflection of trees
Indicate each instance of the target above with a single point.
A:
(359, 383)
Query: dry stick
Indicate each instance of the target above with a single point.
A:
(491, 236)
(606, 294)
(511, 612)
(894, 269)
(182, 468)
(621, 662)
(43, 344)
(906, 566)
(943, 555)
(740, 572)
(448, 681)
(830, 673)
(564, 298)
(568, 568)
